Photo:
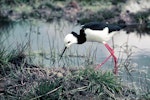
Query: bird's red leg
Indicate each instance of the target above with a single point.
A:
(106, 58)
(97, 67)
(115, 59)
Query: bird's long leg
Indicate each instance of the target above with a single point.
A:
(114, 57)
(97, 67)
(112, 51)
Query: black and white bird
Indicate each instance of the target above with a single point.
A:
(94, 32)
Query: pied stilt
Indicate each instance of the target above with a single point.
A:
(94, 32)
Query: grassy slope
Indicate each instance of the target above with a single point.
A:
(19, 80)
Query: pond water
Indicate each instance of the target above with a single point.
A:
(47, 37)
(45, 44)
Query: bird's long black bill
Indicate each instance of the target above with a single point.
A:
(62, 53)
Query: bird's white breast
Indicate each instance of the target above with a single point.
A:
(97, 35)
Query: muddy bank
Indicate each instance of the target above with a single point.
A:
(75, 11)
(80, 12)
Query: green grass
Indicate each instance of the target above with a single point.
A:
(26, 82)
(101, 84)
(80, 83)
(23, 80)
(8, 56)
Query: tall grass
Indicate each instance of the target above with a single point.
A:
(7, 57)
(23, 81)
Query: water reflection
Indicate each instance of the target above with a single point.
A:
(5, 24)
(140, 29)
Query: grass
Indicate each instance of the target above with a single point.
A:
(20, 79)
(25, 80)
(15, 57)
(50, 85)
(98, 83)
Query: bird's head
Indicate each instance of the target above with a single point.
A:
(69, 40)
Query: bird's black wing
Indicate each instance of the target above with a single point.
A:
(101, 26)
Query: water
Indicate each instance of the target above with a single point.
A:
(48, 37)
(45, 38)
(45, 44)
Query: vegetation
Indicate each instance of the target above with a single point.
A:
(21, 79)
(78, 84)
(62, 83)
(110, 11)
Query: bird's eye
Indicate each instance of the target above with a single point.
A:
(68, 42)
